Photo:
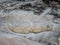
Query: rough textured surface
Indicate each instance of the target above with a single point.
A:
(36, 21)
(45, 37)
(15, 41)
